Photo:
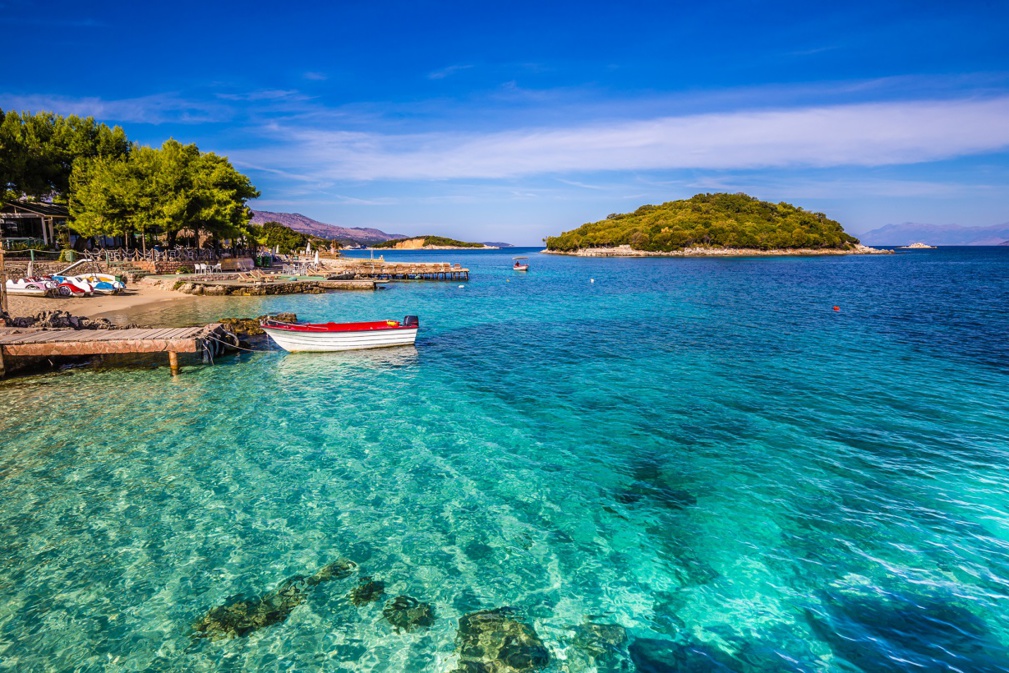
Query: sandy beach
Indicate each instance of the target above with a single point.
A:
(98, 306)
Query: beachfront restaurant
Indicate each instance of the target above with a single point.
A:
(22, 222)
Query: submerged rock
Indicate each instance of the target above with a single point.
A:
(599, 639)
(602, 647)
(337, 570)
(241, 615)
(368, 591)
(494, 641)
(671, 498)
(407, 613)
(906, 631)
(651, 655)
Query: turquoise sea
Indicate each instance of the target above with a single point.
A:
(701, 451)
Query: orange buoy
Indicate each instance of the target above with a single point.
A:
(837, 308)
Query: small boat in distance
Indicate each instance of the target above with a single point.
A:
(347, 336)
(520, 265)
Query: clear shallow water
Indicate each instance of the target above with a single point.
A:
(701, 451)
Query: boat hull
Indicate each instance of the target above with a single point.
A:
(320, 342)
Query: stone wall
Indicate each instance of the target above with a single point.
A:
(18, 269)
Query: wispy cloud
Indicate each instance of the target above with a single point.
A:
(446, 72)
(264, 94)
(154, 109)
(871, 134)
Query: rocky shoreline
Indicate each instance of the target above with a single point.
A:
(627, 251)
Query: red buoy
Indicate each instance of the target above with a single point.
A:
(837, 308)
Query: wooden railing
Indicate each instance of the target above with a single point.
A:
(172, 255)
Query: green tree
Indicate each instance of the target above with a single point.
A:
(37, 151)
(171, 189)
(275, 235)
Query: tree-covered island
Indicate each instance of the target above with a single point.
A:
(710, 224)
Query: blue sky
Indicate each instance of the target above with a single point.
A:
(513, 121)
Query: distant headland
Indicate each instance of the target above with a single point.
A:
(430, 243)
(710, 225)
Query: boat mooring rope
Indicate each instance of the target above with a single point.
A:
(241, 348)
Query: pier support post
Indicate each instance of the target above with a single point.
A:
(3, 370)
(173, 362)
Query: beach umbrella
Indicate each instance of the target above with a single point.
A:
(316, 256)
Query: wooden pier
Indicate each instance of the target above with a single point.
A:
(33, 342)
(383, 270)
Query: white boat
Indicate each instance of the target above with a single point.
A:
(31, 287)
(520, 264)
(103, 283)
(78, 282)
(331, 336)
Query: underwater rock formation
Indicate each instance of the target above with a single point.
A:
(240, 616)
(602, 646)
(406, 613)
(494, 641)
(368, 591)
(670, 498)
(598, 639)
(906, 631)
(652, 655)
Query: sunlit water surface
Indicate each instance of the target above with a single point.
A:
(701, 451)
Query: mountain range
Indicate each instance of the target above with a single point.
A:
(936, 234)
(307, 225)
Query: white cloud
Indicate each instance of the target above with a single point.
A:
(869, 134)
(154, 109)
(445, 72)
(264, 94)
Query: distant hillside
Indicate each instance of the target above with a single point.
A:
(728, 221)
(307, 225)
(418, 242)
(498, 245)
(936, 234)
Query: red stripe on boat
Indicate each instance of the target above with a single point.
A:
(336, 326)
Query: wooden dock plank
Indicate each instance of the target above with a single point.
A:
(42, 337)
(17, 342)
(103, 347)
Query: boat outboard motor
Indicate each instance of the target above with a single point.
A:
(411, 321)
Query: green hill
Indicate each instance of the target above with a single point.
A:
(709, 220)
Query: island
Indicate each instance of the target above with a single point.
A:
(710, 225)
(919, 246)
(430, 243)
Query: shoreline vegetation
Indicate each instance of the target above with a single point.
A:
(627, 251)
(708, 225)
